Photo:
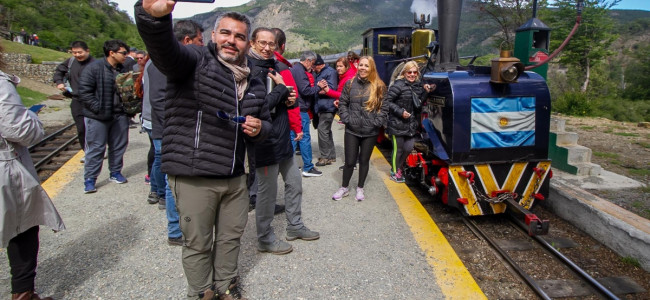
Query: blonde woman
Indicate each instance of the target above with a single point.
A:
(402, 115)
(362, 111)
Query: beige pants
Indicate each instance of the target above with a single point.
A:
(212, 214)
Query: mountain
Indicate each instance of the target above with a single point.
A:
(325, 26)
(331, 26)
(335, 25)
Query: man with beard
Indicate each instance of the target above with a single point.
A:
(214, 109)
(274, 156)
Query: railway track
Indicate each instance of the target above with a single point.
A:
(542, 288)
(527, 267)
(54, 150)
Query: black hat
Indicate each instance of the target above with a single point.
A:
(319, 60)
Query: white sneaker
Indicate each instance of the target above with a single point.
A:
(342, 192)
(360, 196)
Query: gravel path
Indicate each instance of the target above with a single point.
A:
(115, 245)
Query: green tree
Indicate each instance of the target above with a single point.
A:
(58, 23)
(638, 75)
(589, 47)
(505, 15)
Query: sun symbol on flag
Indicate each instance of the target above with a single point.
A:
(503, 121)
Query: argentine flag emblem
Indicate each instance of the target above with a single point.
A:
(503, 122)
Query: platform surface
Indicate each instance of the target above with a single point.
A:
(385, 247)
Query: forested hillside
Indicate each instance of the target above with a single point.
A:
(58, 23)
(328, 26)
(606, 63)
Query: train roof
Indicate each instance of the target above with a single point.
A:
(387, 27)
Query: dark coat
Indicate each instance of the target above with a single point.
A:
(277, 146)
(399, 99)
(129, 63)
(97, 91)
(74, 73)
(306, 92)
(325, 103)
(352, 110)
(195, 141)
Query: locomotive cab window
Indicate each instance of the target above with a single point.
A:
(386, 43)
(366, 48)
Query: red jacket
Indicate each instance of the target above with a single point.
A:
(295, 122)
(310, 77)
(349, 74)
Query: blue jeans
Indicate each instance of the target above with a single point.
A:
(305, 143)
(173, 228)
(157, 176)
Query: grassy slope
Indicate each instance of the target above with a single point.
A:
(38, 54)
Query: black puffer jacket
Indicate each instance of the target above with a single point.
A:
(97, 90)
(277, 146)
(352, 109)
(399, 99)
(195, 141)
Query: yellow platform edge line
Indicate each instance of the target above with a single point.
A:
(63, 175)
(452, 276)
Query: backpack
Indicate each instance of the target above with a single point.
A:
(126, 89)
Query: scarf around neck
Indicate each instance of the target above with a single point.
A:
(240, 72)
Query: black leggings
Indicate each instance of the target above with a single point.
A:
(22, 253)
(402, 147)
(357, 146)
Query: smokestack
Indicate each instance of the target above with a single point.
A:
(448, 24)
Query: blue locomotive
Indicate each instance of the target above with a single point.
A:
(485, 130)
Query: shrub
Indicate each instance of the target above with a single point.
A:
(574, 104)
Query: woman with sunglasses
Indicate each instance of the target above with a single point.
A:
(402, 115)
(362, 111)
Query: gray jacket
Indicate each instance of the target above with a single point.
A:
(23, 202)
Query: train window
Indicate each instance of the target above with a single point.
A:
(386, 43)
(366, 49)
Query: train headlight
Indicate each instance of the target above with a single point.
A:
(506, 69)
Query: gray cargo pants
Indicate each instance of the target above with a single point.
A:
(267, 190)
(207, 205)
(325, 137)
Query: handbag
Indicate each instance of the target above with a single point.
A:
(417, 104)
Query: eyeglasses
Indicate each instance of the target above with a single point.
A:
(263, 44)
(122, 52)
(411, 72)
(225, 116)
(140, 57)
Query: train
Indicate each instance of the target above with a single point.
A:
(483, 143)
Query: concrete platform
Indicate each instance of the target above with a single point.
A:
(386, 247)
(622, 231)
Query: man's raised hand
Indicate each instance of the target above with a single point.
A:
(158, 8)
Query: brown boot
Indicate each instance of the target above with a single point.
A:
(30, 295)
(207, 294)
(233, 292)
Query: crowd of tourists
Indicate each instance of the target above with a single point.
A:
(224, 119)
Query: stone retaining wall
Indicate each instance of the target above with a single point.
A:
(20, 65)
